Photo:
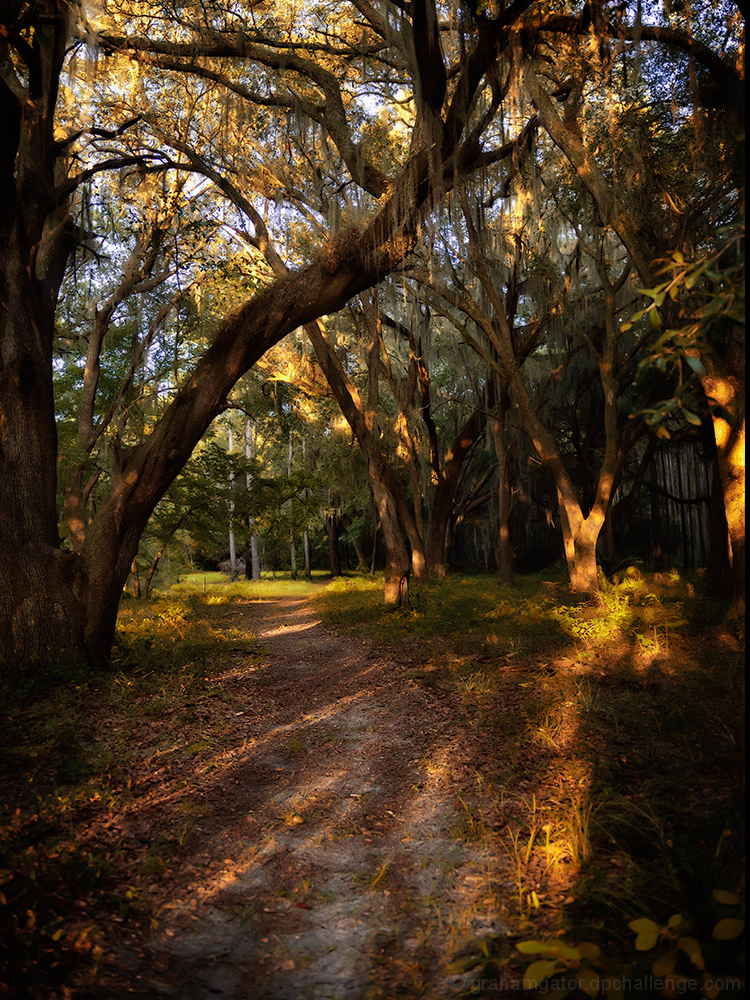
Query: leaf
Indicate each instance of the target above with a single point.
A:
(692, 278)
(644, 926)
(692, 418)
(662, 432)
(697, 365)
(728, 928)
(589, 950)
(537, 972)
(57, 934)
(655, 318)
(693, 950)
(727, 898)
(648, 932)
(531, 947)
(589, 982)
(665, 963)
(557, 947)
(674, 921)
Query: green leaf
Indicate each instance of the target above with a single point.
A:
(531, 947)
(537, 972)
(727, 898)
(693, 950)
(665, 964)
(728, 928)
(644, 926)
(655, 318)
(558, 947)
(696, 364)
(648, 932)
(551, 949)
(589, 951)
(674, 921)
(695, 276)
(692, 418)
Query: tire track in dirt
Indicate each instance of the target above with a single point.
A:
(331, 857)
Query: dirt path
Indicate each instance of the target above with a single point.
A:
(330, 855)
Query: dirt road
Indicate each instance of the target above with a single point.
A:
(330, 852)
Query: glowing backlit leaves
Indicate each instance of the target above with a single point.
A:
(557, 955)
(537, 972)
(648, 933)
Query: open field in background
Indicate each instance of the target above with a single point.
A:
(603, 746)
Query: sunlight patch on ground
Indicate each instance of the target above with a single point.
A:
(288, 629)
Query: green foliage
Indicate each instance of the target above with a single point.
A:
(704, 299)
(661, 961)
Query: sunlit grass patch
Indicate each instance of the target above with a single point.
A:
(605, 707)
(218, 588)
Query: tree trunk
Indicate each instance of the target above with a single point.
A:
(719, 569)
(374, 549)
(445, 493)
(580, 536)
(252, 566)
(383, 488)
(57, 604)
(397, 562)
(724, 383)
(504, 547)
(233, 574)
(137, 580)
(292, 546)
(332, 529)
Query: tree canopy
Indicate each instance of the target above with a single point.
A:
(184, 184)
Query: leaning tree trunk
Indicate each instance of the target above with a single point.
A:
(56, 604)
(60, 605)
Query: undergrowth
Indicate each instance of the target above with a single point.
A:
(607, 741)
(620, 721)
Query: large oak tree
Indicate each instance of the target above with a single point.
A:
(184, 88)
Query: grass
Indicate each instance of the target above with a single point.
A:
(281, 585)
(620, 716)
(607, 740)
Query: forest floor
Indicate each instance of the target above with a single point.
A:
(323, 859)
(303, 812)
